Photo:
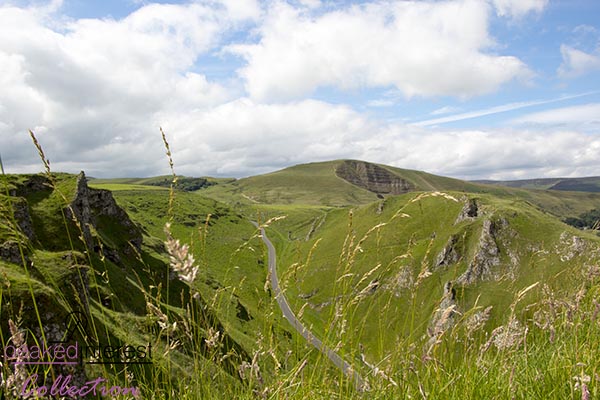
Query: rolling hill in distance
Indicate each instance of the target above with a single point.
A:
(417, 283)
(586, 184)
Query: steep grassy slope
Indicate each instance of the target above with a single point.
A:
(368, 286)
(82, 253)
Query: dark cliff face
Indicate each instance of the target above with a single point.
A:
(372, 177)
(97, 209)
(94, 211)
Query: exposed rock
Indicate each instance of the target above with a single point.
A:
(35, 183)
(402, 280)
(380, 207)
(477, 321)
(9, 251)
(91, 206)
(487, 256)
(306, 296)
(449, 254)
(372, 177)
(469, 211)
(23, 218)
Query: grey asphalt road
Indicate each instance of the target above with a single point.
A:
(291, 317)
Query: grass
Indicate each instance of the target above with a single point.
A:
(362, 273)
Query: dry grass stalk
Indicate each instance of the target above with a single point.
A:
(174, 181)
(15, 380)
(181, 259)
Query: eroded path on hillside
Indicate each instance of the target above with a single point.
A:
(291, 317)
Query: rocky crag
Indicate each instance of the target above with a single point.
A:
(372, 177)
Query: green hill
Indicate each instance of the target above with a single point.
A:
(587, 184)
(70, 249)
(350, 182)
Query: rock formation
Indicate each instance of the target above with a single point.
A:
(486, 257)
(469, 211)
(92, 207)
(372, 177)
(449, 254)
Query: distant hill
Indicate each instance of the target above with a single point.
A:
(334, 183)
(341, 183)
(587, 184)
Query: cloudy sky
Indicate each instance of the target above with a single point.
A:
(464, 88)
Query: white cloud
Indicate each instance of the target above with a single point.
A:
(498, 154)
(577, 62)
(245, 137)
(582, 117)
(243, 9)
(256, 138)
(311, 3)
(96, 91)
(421, 48)
(86, 82)
(518, 8)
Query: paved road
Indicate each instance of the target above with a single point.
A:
(291, 317)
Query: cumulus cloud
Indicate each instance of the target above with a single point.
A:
(421, 48)
(96, 90)
(576, 62)
(256, 138)
(93, 88)
(518, 8)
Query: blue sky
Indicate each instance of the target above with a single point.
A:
(499, 89)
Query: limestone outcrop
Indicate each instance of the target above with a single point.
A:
(372, 177)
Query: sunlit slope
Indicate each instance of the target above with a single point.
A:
(311, 184)
(351, 182)
(375, 263)
(331, 183)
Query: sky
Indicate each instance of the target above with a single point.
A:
(474, 89)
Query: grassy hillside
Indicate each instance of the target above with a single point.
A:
(313, 184)
(587, 184)
(449, 289)
(406, 245)
(317, 184)
(116, 272)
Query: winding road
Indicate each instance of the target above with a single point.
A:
(291, 317)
